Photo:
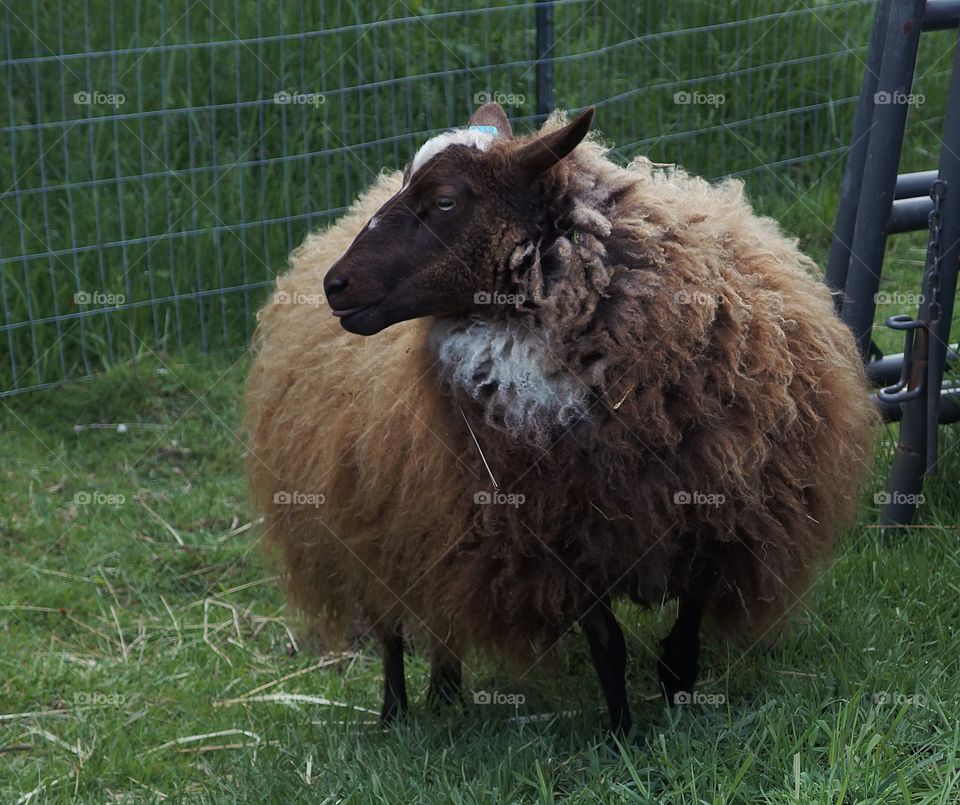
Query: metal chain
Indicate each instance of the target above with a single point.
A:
(938, 192)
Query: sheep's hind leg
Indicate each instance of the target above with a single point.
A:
(609, 653)
(394, 681)
(446, 678)
(678, 665)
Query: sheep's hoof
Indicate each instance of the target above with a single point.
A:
(677, 681)
(621, 736)
(446, 684)
(390, 715)
(622, 729)
(442, 698)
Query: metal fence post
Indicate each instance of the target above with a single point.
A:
(544, 59)
(838, 265)
(880, 166)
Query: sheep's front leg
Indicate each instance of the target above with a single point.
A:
(678, 665)
(609, 652)
(446, 678)
(394, 681)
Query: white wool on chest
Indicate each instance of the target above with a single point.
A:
(511, 372)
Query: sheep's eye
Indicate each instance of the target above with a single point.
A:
(445, 203)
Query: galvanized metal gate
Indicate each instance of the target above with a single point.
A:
(876, 202)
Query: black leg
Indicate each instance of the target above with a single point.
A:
(446, 678)
(394, 682)
(609, 653)
(677, 667)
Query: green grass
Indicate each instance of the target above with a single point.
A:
(131, 622)
(118, 641)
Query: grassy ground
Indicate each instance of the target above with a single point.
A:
(141, 630)
(142, 634)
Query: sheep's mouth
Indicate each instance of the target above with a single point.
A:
(360, 319)
(346, 312)
(375, 316)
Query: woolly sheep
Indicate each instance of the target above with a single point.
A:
(592, 383)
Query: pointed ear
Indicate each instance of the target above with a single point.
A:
(545, 152)
(492, 114)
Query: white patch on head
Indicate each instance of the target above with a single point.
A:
(508, 369)
(433, 146)
(372, 223)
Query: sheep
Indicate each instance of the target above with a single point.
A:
(588, 383)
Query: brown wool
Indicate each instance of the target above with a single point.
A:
(715, 366)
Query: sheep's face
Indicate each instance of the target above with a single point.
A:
(440, 245)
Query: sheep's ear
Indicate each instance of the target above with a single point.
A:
(545, 152)
(492, 114)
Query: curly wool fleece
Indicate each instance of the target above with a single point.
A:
(667, 349)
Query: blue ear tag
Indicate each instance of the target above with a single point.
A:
(486, 129)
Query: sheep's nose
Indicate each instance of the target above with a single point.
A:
(334, 285)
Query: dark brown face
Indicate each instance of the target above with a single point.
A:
(439, 245)
(424, 251)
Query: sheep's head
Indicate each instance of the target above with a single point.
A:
(441, 244)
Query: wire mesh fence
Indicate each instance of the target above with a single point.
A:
(159, 160)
